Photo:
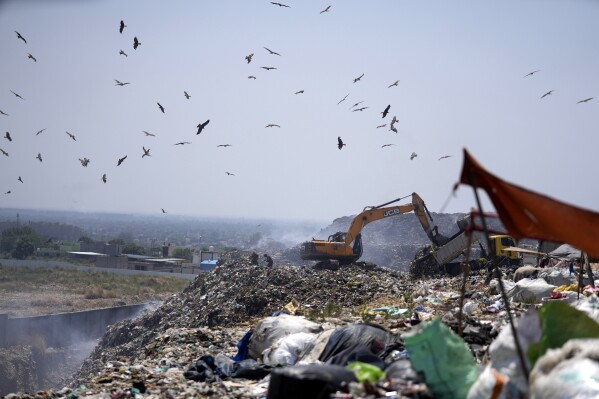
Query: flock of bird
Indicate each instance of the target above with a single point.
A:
(202, 126)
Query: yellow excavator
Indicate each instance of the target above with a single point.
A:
(346, 247)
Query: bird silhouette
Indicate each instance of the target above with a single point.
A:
(3, 113)
(340, 143)
(84, 162)
(19, 179)
(104, 178)
(17, 95)
(32, 57)
(272, 125)
(356, 104)
(39, 156)
(251, 77)
(248, 57)
(41, 131)
(396, 83)
(162, 209)
(136, 43)
(414, 155)
(326, 9)
(386, 110)
(585, 100)
(383, 125)
(119, 83)
(72, 136)
(358, 78)
(148, 133)
(272, 52)
(393, 129)
(229, 174)
(279, 4)
(187, 96)
(224, 145)
(21, 37)
(546, 94)
(121, 52)
(394, 120)
(386, 145)
(7, 136)
(3, 152)
(183, 143)
(360, 109)
(444, 156)
(343, 99)
(201, 126)
(146, 152)
(299, 92)
(268, 68)
(121, 160)
(531, 73)
(123, 26)
(8, 192)
(161, 107)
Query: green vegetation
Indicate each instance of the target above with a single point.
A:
(91, 284)
(20, 242)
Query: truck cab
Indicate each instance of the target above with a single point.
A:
(499, 243)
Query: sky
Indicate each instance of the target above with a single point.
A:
(461, 67)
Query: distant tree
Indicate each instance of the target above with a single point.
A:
(23, 249)
(10, 238)
(183, 252)
(85, 239)
(133, 249)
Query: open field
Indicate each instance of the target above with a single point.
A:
(26, 291)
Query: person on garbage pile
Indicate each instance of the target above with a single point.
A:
(268, 260)
(254, 258)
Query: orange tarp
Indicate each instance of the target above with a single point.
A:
(525, 213)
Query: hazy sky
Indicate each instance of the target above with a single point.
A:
(461, 67)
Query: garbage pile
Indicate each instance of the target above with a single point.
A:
(248, 331)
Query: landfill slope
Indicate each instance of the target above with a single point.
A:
(238, 292)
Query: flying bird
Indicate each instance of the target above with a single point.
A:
(356, 104)
(381, 125)
(19, 179)
(7, 136)
(161, 107)
(358, 78)
(119, 83)
(299, 92)
(146, 152)
(343, 99)
(123, 26)
(386, 110)
(224, 145)
(3, 152)
(3, 113)
(444, 156)
(585, 100)
(393, 129)
(414, 155)
(249, 57)
(229, 174)
(394, 120)
(162, 209)
(32, 57)
(340, 143)
(268, 68)
(148, 133)
(8, 192)
(21, 37)
(360, 109)
(39, 156)
(187, 96)
(272, 52)
(104, 177)
(121, 52)
(531, 73)
(201, 126)
(546, 94)
(72, 136)
(121, 160)
(272, 125)
(136, 43)
(41, 131)
(279, 4)
(16, 95)
(326, 9)
(386, 145)
(84, 162)
(393, 84)
(251, 77)
(183, 143)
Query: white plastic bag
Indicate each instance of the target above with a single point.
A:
(530, 290)
(285, 351)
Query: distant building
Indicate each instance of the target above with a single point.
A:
(102, 248)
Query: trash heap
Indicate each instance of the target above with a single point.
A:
(248, 331)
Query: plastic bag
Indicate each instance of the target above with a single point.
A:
(527, 290)
(286, 350)
(314, 381)
(366, 372)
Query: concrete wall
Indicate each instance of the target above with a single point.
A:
(63, 329)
